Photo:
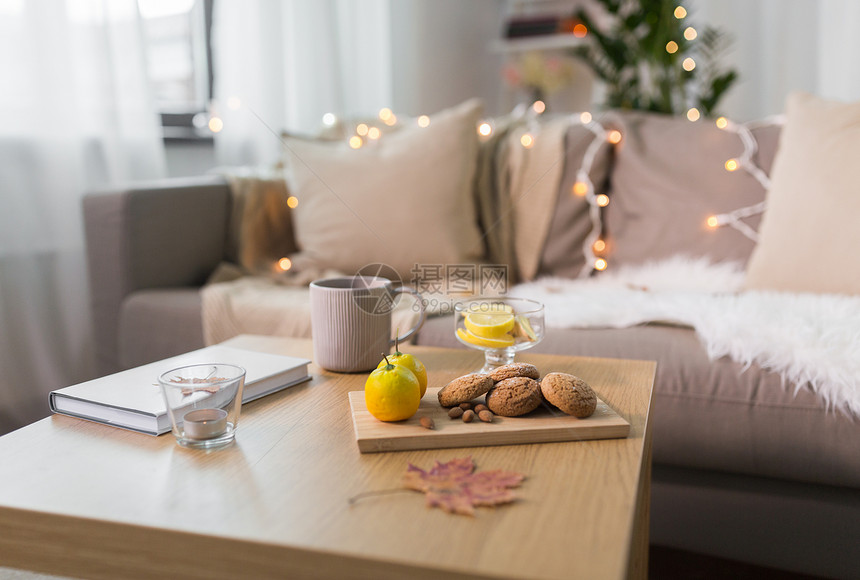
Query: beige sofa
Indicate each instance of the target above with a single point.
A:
(744, 468)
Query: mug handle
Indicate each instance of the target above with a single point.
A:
(421, 316)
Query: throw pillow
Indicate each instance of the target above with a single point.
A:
(809, 236)
(402, 200)
(669, 176)
(534, 172)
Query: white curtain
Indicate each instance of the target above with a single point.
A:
(76, 115)
(281, 65)
(785, 45)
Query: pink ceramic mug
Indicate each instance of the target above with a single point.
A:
(351, 321)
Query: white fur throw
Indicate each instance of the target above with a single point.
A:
(805, 338)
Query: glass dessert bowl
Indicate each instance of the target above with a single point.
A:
(500, 326)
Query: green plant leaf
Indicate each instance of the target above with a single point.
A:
(628, 53)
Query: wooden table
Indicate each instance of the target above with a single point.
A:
(84, 499)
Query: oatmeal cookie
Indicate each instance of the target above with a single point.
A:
(569, 393)
(514, 397)
(515, 370)
(463, 389)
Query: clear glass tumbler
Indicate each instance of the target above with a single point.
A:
(203, 402)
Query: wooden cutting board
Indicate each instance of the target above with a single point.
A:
(540, 426)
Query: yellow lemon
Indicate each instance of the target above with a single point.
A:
(392, 393)
(407, 361)
(503, 342)
(489, 324)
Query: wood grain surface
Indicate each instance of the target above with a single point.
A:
(543, 425)
(88, 500)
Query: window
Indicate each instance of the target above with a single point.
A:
(179, 61)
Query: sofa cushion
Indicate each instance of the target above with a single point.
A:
(669, 177)
(715, 414)
(157, 324)
(809, 235)
(402, 200)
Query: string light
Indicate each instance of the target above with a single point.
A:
(215, 124)
(580, 30)
(200, 120)
(584, 184)
(584, 187)
(539, 107)
(690, 33)
(594, 246)
(292, 202)
(385, 113)
(671, 47)
(680, 12)
(580, 188)
(362, 129)
(285, 264)
(746, 161)
(390, 120)
(689, 64)
(329, 119)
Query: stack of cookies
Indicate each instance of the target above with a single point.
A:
(515, 389)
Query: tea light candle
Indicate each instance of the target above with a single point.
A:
(205, 423)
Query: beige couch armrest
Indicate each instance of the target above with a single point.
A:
(170, 233)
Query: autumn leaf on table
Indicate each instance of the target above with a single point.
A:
(456, 487)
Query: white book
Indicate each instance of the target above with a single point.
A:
(132, 399)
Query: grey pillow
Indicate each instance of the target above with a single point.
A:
(668, 177)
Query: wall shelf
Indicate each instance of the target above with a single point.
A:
(545, 42)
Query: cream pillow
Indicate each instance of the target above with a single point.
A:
(402, 200)
(810, 233)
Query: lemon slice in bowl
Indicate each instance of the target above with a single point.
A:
(489, 324)
(503, 342)
(522, 328)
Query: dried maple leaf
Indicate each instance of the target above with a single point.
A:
(456, 488)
